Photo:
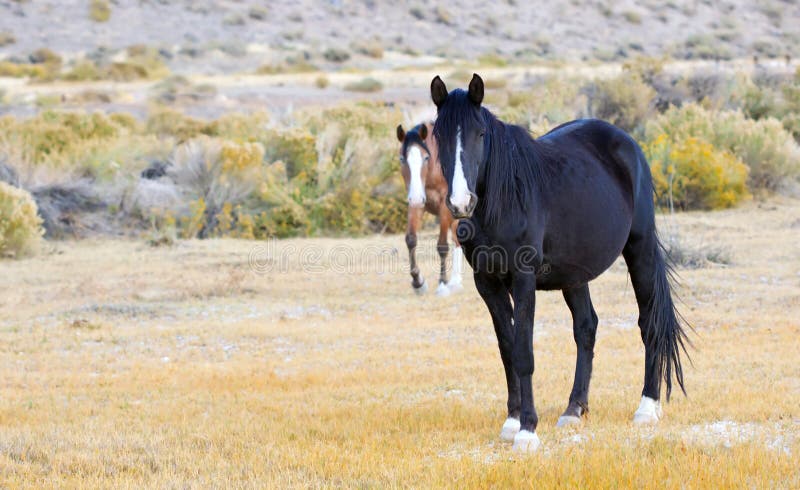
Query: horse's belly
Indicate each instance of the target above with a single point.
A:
(582, 242)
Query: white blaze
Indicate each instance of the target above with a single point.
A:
(416, 193)
(459, 196)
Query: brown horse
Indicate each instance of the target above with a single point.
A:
(427, 191)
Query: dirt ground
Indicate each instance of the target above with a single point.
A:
(310, 363)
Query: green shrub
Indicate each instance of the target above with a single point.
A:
(215, 174)
(44, 65)
(322, 82)
(291, 65)
(296, 148)
(781, 102)
(367, 84)
(6, 38)
(59, 137)
(632, 17)
(142, 63)
(83, 70)
(372, 48)
(764, 146)
(168, 122)
(282, 221)
(20, 225)
(490, 59)
(625, 101)
(336, 55)
(22, 70)
(705, 47)
(258, 13)
(692, 174)
(554, 99)
(99, 10)
(239, 127)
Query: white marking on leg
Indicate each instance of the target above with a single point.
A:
(526, 441)
(509, 430)
(458, 267)
(416, 192)
(442, 290)
(459, 197)
(649, 411)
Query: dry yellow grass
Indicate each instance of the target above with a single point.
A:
(125, 366)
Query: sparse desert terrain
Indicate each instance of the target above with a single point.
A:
(204, 281)
(310, 363)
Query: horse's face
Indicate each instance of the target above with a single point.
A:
(459, 132)
(415, 159)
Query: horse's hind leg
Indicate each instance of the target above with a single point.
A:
(495, 295)
(659, 324)
(638, 253)
(584, 328)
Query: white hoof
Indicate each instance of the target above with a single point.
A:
(510, 429)
(455, 287)
(442, 290)
(566, 420)
(649, 412)
(422, 289)
(526, 441)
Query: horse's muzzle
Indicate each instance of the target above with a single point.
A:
(459, 212)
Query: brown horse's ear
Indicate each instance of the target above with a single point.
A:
(423, 131)
(401, 135)
(476, 89)
(438, 91)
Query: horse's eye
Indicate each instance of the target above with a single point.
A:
(483, 133)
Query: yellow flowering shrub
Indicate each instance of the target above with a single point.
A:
(692, 174)
(764, 146)
(20, 226)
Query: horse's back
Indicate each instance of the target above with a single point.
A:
(606, 143)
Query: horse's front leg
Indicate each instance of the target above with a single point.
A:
(498, 301)
(443, 248)
(524, 293)
(414, 222)
(454, 284)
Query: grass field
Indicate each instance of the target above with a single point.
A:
(310, 363)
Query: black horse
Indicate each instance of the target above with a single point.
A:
(554, 213)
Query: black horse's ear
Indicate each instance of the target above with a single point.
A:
(423, 131)
(476, 89)
(401, 135)
(438, 91)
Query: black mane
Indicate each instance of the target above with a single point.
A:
(517, 166)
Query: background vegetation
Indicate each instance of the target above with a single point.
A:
(713, 140)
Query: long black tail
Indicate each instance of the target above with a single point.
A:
(667, 336)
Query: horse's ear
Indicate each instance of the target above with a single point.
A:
(476, 89)
(438, 91)
(423, 131)
(401, 135)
